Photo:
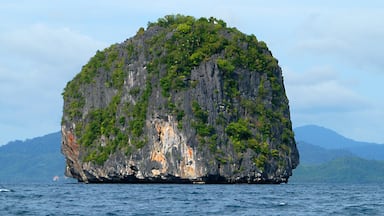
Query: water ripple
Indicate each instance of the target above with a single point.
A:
(158, 199)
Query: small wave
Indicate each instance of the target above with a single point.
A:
(5, 190)
(361, 209)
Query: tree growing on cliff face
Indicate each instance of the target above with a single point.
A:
(239, 130)
(218, 92)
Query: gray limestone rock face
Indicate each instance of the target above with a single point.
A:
(184, 101)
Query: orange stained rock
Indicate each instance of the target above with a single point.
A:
(159, 157)
(166, 132)
(190, 152)
(72, 144)
(190, 171)
(70, 136)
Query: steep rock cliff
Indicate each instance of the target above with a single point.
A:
(186, 100)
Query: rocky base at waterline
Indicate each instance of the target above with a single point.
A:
(185, 101)
(177, 180)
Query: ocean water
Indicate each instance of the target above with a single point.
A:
(175, 199)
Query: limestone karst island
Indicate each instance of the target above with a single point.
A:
(185, 100)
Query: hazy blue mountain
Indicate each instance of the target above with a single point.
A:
(33, 160)
(329, 139)
(40, 145)
(312, 154)
(326, 156)
(369, 151)
(323, 137)
(341, 170)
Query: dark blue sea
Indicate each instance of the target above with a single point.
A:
(174, 199)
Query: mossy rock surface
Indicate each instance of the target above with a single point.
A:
(184, 100)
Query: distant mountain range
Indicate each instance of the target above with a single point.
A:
(325, 156)
(33, 160)
(328, 139)
(314, 155)
(341, 170)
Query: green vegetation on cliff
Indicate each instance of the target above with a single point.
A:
(245, 118)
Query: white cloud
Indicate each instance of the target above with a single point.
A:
(53, 46)
(320, 90)
(36, 63)
(350, 35)
(38, 59)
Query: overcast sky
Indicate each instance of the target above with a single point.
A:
(331, 53)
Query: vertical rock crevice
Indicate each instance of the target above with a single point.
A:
(185, 100)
